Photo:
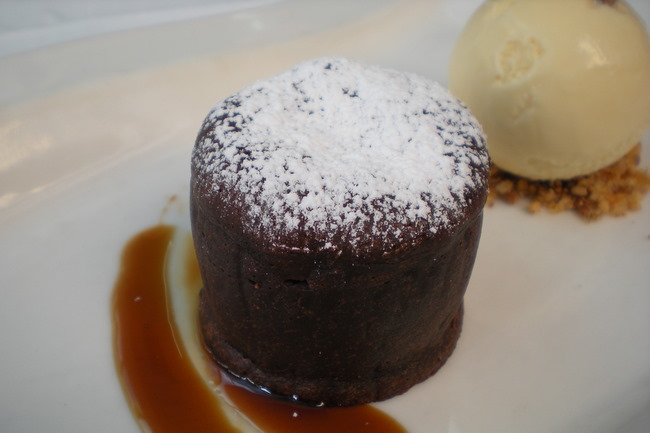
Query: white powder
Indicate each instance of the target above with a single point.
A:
(341, 149)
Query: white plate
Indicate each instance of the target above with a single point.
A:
(95, 138)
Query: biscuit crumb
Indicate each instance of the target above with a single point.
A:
(614, 190)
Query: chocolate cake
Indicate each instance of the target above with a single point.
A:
(336, 212)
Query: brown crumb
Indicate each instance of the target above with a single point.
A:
(614, 190)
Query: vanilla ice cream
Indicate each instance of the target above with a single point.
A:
(561, 87)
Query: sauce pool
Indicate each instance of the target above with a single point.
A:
(165, 392)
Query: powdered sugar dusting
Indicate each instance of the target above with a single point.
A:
(345, 151)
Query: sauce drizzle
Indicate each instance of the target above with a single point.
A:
(277, 416)
(166, 393)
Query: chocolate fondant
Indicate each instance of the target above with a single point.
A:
(336, 212)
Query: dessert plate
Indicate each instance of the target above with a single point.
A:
(95, 140)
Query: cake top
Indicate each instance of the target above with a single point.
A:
(355, 154)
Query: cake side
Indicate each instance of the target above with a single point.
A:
(331, 331)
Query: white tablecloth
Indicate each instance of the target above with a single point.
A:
(30, 24)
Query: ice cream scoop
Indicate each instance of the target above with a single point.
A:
(561, 87)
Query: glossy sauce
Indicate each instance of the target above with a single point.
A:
(163, 388)
(164, 391)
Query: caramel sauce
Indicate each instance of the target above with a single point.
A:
(165, 391)
(277, 416)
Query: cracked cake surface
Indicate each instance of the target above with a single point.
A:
(362, 155)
